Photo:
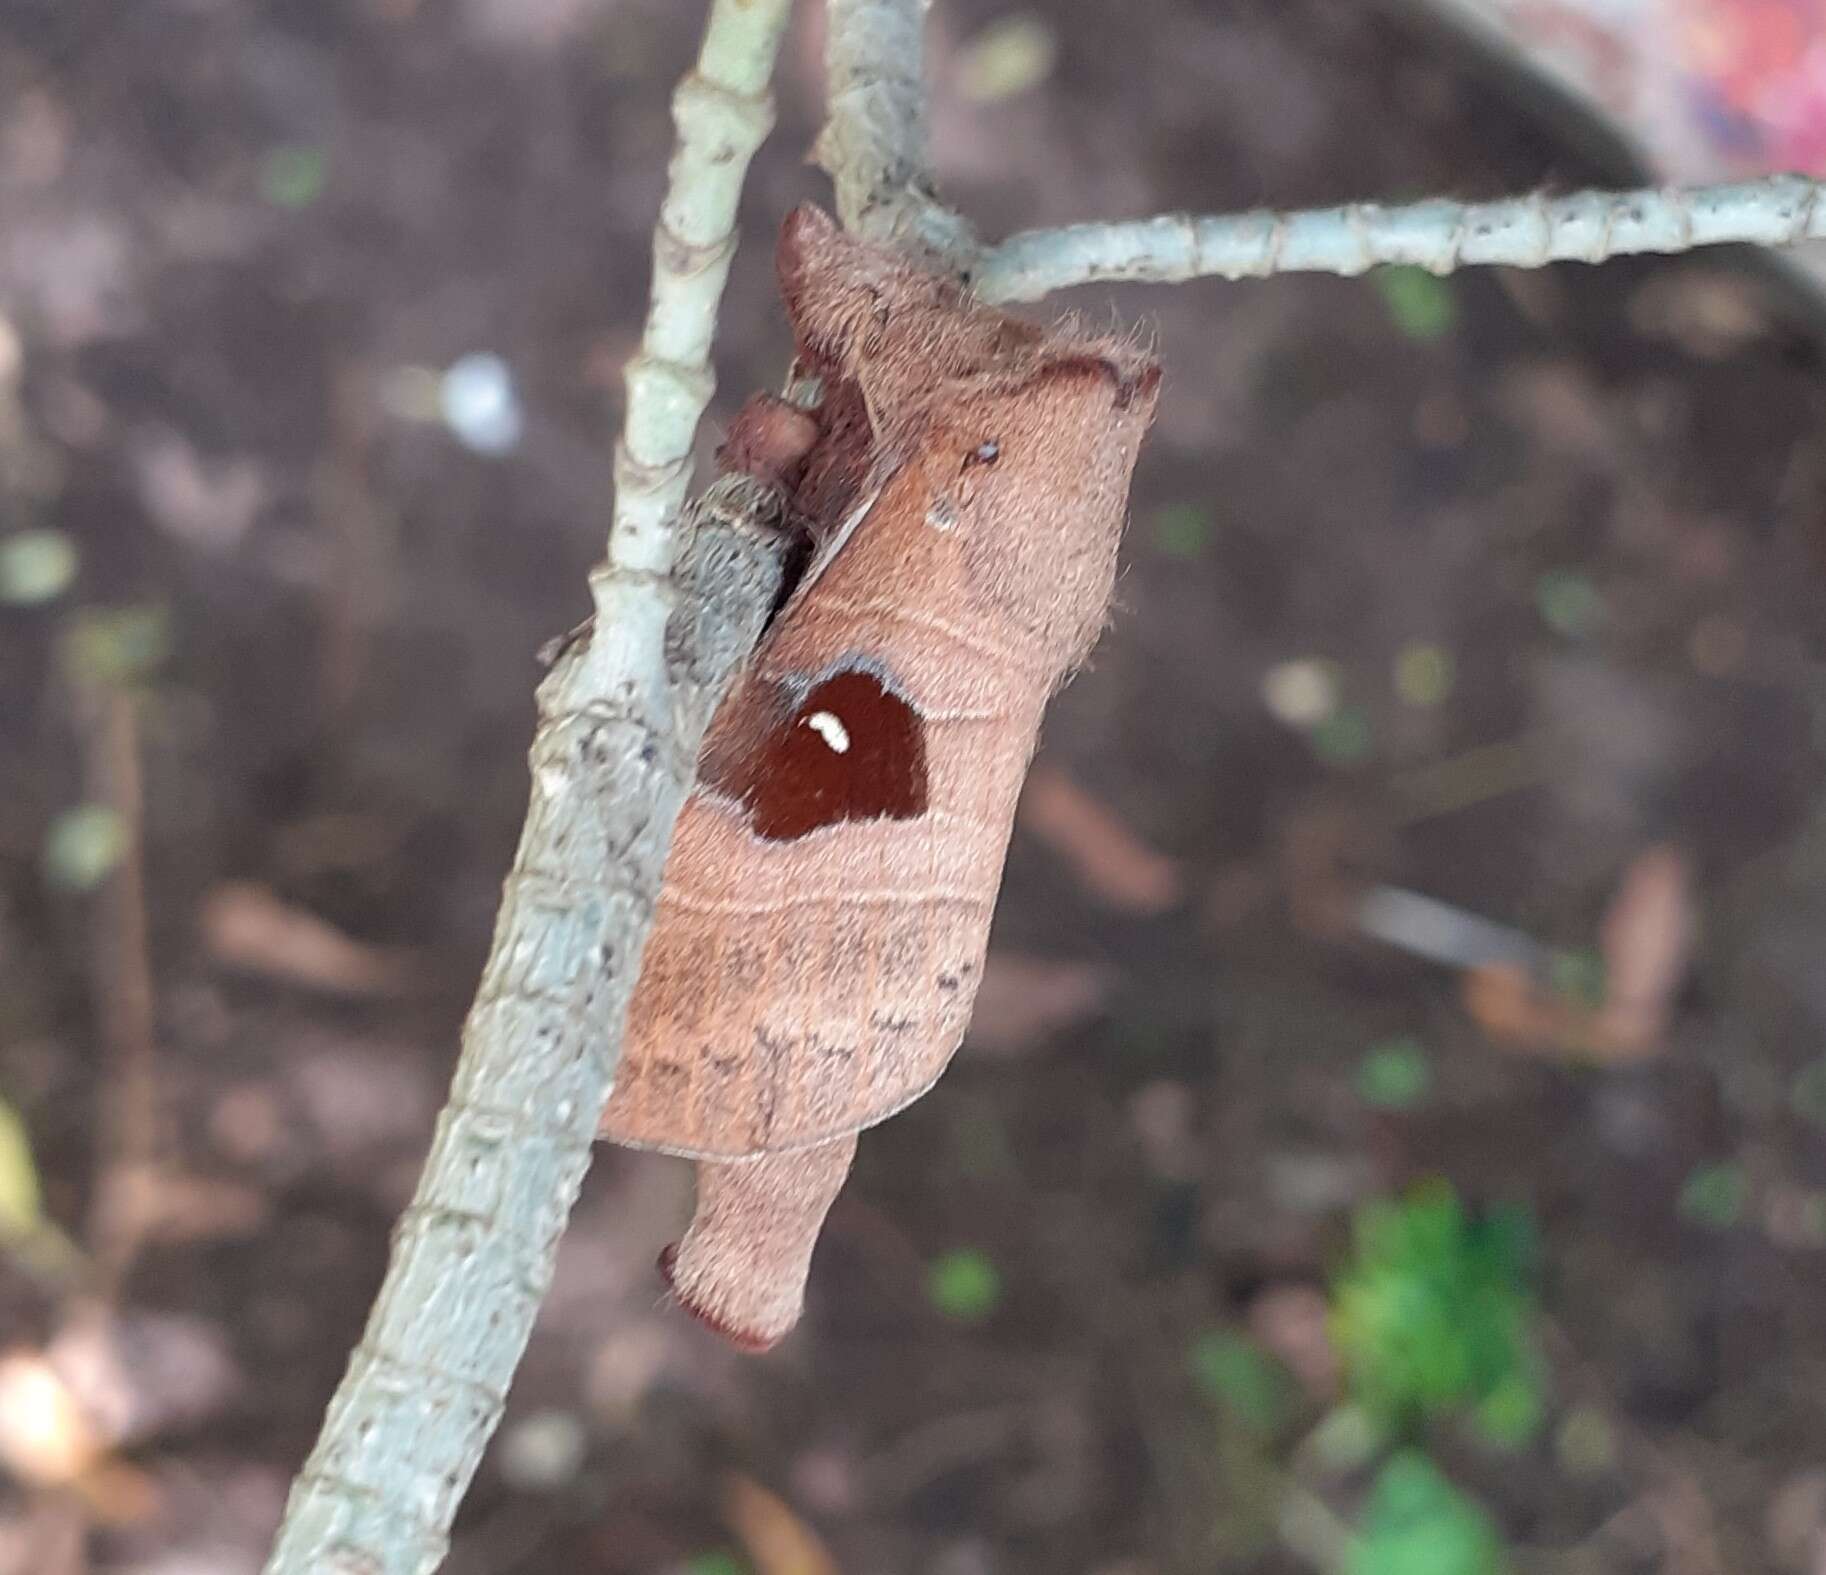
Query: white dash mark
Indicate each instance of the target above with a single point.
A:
(828, 727)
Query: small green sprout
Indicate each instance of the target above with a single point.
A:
(1395, 1074)
(1417, 1523)
(964, 1285)
(1434, 1312)
(1423, 306)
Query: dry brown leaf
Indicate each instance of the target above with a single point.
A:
(778, 1542)
(246, 927)
(1105, 855)
(1024, 1000)
(1647, 940)
(1514, 1010)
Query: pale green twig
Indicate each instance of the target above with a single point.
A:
(620, 721)
(1522, 232)
(873, 144)
(473, 1252)
(723, 111)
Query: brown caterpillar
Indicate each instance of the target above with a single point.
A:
(821, 929)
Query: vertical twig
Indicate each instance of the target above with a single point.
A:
(621, 717)
(874, 142)
(723, 111)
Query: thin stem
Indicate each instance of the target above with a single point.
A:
(873, 144)
(621, 717)
(1440, 236)
(723, 110)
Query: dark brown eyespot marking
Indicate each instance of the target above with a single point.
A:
(851, 749)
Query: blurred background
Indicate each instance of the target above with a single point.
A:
(1390, 1141)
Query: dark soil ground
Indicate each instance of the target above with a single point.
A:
(229, 233)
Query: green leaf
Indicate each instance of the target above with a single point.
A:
(21, 1201)
(84, 845)
(1511, 1414)
(1244, 1380)
(964, 1285)
(1417, 1523)
(35, 566)
(1434, 1313)
(1423, 305)
(1395, 1074)
(715, 1561)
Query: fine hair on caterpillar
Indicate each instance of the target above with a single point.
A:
(826, 905)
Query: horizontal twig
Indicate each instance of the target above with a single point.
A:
(1438, 235)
